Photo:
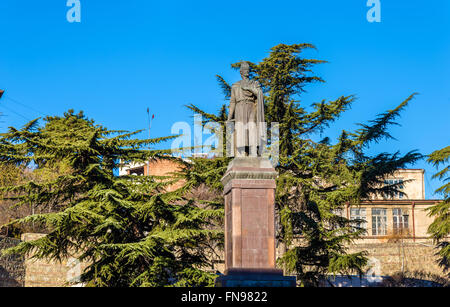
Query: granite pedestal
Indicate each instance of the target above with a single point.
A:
(249, 190)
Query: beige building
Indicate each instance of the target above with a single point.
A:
(404, 213)
(397, 238)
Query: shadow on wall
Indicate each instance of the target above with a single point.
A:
(9, 280)
(12, 268)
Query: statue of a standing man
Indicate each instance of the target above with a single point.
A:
(247, 112)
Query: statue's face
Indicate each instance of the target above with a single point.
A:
(244, 72)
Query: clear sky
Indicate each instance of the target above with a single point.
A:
(126, 56)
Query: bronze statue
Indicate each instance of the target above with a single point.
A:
(247, 112)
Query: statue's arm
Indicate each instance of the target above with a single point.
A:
(232, 105)
(255, 88)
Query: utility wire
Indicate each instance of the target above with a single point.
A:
(7, 97)
(23, 105)
(18, 114)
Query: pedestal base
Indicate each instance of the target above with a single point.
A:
(249, 193)
(250, 252)
(255, 278)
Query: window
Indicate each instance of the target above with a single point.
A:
(398, 195)
(400, 219)
(139, 171)
(359, 214)
(379, 221)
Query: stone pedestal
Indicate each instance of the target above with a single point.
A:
(249, 190)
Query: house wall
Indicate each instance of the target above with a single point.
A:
(413, 203)
(160, 167)
(422, 220)
(413, 189)
(418, 219)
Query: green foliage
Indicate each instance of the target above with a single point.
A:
(128, 230)
(317, 179)
(440, 228)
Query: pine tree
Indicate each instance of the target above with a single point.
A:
(10, 174)
(440, 228)
(128, 230)
(317, 179)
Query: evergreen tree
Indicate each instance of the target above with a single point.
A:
(10, 174)
(317, 179)
(128, 230)
(440, 228)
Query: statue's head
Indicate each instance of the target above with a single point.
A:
(245, 70)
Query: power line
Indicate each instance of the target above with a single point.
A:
(18, 114)
(2, 92)
(23, 105)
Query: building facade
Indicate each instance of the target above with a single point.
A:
(396, 225)
(403, 213)
(157, 167)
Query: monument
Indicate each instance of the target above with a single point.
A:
(247, 113)
(249, 192)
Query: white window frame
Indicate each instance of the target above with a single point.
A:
(359, 214)
(400, 219)
(379, 221)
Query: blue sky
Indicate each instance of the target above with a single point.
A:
(126, 56)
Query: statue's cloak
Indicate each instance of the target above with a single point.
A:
(244, 115)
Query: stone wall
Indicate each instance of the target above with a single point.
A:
(416, 256)
(12, 268)
(18, 271)
(44, 273)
